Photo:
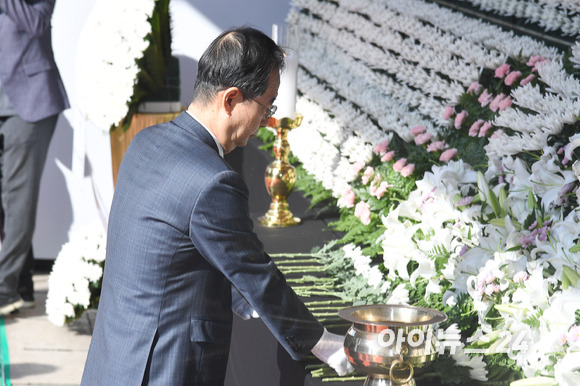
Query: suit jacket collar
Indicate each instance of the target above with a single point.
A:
(192, 126)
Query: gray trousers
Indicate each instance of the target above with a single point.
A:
(23, 149)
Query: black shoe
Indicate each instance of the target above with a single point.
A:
(11, 306)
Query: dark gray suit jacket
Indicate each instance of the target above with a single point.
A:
(27, 68)
(179, 234)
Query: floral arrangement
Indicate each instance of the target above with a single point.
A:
(111, 42)
(124, 58)
(74, 284)
(561, 16)
(449, 145)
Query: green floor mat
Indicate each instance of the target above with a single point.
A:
(4, 357)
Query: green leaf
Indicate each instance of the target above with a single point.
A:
(571, 275)
(534, 320)
(565, 282)
(531, 201)
(494, 202)
(575, 248)
(503, 204)
(500, 222)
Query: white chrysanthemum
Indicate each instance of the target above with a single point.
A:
(361, 262)
(576, 54)
(475, 363)
(75, 268)
(112, 39)
(558, 81)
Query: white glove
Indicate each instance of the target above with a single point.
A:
(330, 350)
(241, 306)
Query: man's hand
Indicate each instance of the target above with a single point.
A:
(330, 350)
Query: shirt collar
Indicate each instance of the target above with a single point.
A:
(219, 146)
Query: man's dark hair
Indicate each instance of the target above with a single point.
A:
(241, 57)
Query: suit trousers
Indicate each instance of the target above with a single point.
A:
(23, 149)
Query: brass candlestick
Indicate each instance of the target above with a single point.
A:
(280, 177)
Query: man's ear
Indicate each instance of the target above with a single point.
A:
(230, 98)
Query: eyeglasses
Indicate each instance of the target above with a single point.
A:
(269, 110)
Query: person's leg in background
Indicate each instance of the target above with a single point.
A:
(23, 150)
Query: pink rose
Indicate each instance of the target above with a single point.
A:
(358, 166)
(408, 170)
(527, 79)
(388, 156)
(381, 189)
(484, 129)
(448, 112)
(348, 197)
(533, 60)
(474, 129)
(448, 154)
(418, 130)
(512, 77)
(502, 70)
(505, 103)
(473, 88)
(369, 171)
(485, 98)
(398, 166)
(363, 211)
(494, 105)
(436, 146)
(460, 118)
(381, 147)
(422, 138)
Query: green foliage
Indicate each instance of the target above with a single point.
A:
(463, 314)
(313, 189)
(452, 374)
(501, 369)
(267, 137)
(534, 320)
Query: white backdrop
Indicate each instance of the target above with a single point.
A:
(77, 187)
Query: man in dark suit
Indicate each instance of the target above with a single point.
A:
(180, 237)
(31, 97)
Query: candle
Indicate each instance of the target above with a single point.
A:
(275, 33)
(286, 100)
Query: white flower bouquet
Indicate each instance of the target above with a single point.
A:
(74, 284)
(484, 225)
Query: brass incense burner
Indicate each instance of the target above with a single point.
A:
(389, 343)
(280, 176)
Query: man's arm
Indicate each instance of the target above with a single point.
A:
(222, 231)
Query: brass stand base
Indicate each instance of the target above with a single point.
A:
(278, 216)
